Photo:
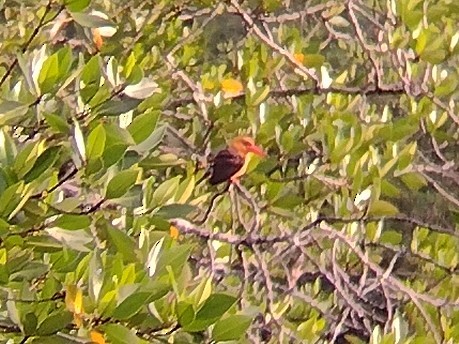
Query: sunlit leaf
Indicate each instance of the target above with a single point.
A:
(76, 5)
(49, 74)
(96, 142)
(382, 208)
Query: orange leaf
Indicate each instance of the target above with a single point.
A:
(97, 38)
(97, 337)
(174, 232)
(299, 57)
(231, 87)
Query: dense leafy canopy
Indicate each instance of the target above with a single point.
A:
(110, 112)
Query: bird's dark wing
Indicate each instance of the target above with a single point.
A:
(225, 165)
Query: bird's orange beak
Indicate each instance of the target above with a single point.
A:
(256, 150)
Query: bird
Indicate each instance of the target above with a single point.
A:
(231, 163)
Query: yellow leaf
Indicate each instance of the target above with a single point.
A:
(74, 303)
(97, 337)
(174, 232)
(208, 84)
(299, 57)
(79, 302)
(70, 294)
(77, 320)
(3, 256)
(231, 87)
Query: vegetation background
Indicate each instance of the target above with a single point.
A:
(345, 233)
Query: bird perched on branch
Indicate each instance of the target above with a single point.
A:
(231, 163)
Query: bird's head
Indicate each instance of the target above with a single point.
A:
(245, 144)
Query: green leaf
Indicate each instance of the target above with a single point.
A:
(55, 323)
(201, 292)
(430, 44)
(118, 334)
(29, 271)
(26, 158)
(49, 74)
(12, 112)
(55, 339)
(76, 239)
(131, 305)
(388, 189)
(90, 20)
(391, 237)
(447, 86)
(414, 180)
(288, 201)
(117, 135)
(166, 191)
(382, 208)
(96, 142)
(313, 60)
(175, 257)
(118, 107)
(10, 198)
(7, 152)
(231, 328)
(57, 123)
(163, 160)
(170, 211)
(136, 77)
(435, 56)
(131, 61)
(93, 166)
(30, 323)
(43, 163)
(122, 243)
(76, 5)
(308, 329)
(259, 96)
(151, 141)
(4, 227)
(65, 60)
(72, 222)
(213, 308)
(185, 189)
(90, 76)
(143, 125)
(406, 156)
(185, 313)
(113, 153)
(116, 143)
(121, 183)
(287, 141)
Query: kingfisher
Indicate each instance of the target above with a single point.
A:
(231, 163)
